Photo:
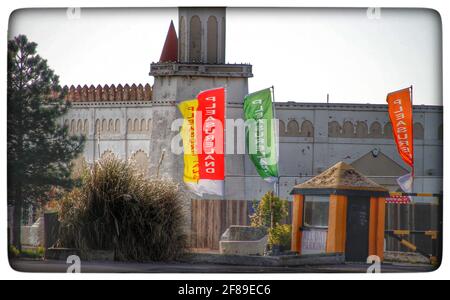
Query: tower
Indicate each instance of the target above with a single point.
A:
(199, 65)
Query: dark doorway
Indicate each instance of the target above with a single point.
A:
(357, 241)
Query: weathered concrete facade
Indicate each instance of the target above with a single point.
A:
(313, 136)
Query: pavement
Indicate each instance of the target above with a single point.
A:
(55, 266)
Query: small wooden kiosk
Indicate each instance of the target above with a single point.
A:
(339, 211)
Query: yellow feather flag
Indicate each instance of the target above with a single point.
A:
(188, 110)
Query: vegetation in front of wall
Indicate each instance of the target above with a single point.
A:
(13, 252)
(118, 209)
(34, 253)
(269, 212)
(31, 253)
(280, 237)
(40, 148)
(51, 206)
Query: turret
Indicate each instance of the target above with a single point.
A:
(202, 35)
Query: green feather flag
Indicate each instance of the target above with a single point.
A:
(260, 134)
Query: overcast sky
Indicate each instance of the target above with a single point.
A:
(304, 53)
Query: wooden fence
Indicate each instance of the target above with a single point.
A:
(210, 219)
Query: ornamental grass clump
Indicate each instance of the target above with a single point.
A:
(117, 208)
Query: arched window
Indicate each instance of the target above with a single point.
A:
(136, 125)
(72, 126)
(97, 126)
(387, 131)
(86, 126)
(361, 129)
(222, 38)
(212, 40)
(143, 125)
(182, 39)
(117, 126)
(375, 130)
(348, 130)
(293, 128)
(195, 45)
(111, 125)
(418, 131)
(334, 129)
(307, 129)
(129, 125)
(79, 126)
(282, 128)
(142, 162)
(104, 125)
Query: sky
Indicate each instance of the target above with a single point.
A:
(353, 56)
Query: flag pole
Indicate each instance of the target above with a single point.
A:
(277, 182)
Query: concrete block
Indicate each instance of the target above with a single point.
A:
(244, 240)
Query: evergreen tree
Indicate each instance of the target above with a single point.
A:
(40, 149)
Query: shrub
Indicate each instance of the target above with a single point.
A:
(116, 208)
(13, 252)
(264, 209)
(33, 253)
(280, 236)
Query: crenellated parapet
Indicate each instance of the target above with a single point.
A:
(109, 93)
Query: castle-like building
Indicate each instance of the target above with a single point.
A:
(135, 122)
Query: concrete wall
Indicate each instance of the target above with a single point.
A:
(301, 156)
(129, 133)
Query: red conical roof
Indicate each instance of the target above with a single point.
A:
(170, 50)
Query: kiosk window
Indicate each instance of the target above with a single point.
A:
(316, 211)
